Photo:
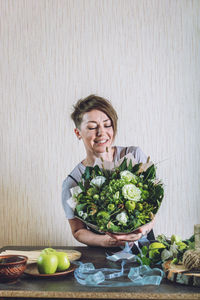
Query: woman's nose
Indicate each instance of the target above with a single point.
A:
(100, 130)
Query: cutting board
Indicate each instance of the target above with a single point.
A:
(33, 255)
(179, 274)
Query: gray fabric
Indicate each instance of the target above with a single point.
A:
(77, 172)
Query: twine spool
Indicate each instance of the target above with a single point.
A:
(197, 236)
(191, 259)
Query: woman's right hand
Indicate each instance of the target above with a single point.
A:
(108, 241)
(85, 236)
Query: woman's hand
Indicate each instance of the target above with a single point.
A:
(135, 236)
(111, 241)
(89, 238)
(130, 237)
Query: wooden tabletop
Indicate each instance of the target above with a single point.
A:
(68, 288)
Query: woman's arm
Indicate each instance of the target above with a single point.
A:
(85, 236)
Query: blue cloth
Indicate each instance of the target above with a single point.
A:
(87, 275)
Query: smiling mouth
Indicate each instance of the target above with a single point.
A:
(101, 142)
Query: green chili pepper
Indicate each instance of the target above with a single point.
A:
(174, 261)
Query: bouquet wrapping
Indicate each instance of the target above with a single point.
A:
(117, 197)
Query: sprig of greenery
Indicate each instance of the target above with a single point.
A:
(166, 249)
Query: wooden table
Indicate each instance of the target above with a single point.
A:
(68, 288)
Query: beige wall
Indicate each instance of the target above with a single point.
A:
(143, 55)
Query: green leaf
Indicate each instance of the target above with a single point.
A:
(150, 173)
(80, 207)
(191, 245)
(136, 168)
(97, 170)
(130, 166)
(146, 261)
(81, 186)
(191, 239)
(123, 165)
(144, 250)
(87, 173)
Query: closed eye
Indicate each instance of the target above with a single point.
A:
(106, 126)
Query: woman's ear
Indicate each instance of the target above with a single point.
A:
(77, 133)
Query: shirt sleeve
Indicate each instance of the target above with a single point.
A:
(68, 183)
(138, 154)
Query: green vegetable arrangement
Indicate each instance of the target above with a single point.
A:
(166, 249)
(119, 200)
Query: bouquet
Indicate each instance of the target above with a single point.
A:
(117, 199)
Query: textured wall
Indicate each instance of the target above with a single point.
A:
(143, 55)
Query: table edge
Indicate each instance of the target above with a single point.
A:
(97, 295)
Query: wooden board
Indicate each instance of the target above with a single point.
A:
(179, 274)
(33, 255)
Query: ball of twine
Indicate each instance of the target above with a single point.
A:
(191, 259)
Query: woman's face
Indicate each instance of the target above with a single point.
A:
(96, 131)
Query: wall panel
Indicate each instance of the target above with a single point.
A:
(143, 55)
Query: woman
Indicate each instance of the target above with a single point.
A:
(96, 125)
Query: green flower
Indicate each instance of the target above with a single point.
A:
(127, 176)
(131, 192)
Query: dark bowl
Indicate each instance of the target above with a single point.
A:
(12, 267)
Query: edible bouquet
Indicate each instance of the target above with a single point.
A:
(117, 198)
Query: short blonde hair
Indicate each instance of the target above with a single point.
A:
(94, 102)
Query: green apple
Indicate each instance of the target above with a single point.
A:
(48, 251)
(47, 263)
(63, 261)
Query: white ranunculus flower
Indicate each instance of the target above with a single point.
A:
(131, 192)
(84, 216)
(80, 213)
(98, 181)
(122, 217)
(127, 175)
(75, 191)
(116, 195)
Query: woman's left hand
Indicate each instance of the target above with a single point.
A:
(136, 235)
